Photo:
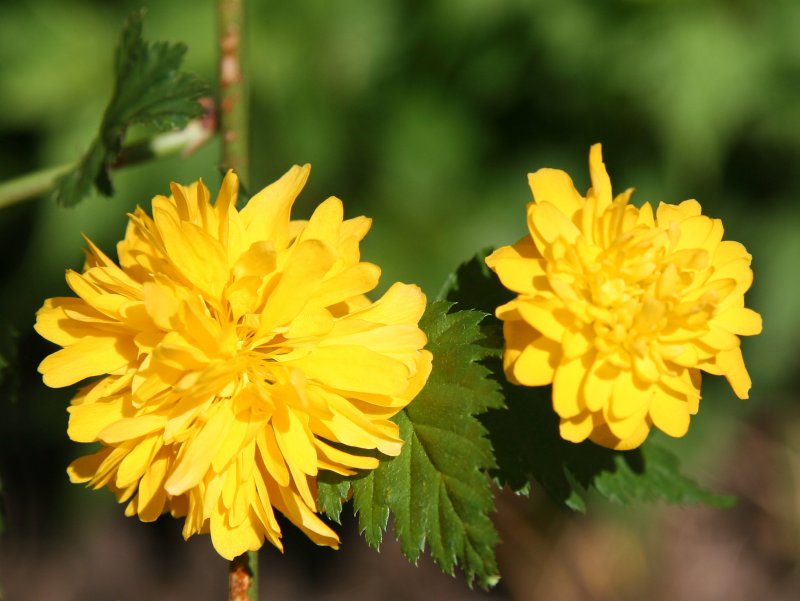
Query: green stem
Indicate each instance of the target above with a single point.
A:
(243, 577)
(234, 128)
(38, 183)
(233, 100)
(31, 185)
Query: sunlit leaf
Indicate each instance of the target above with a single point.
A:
(438, 489)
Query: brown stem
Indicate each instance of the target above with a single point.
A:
(242, 577)
(233, 104)
(234, 133)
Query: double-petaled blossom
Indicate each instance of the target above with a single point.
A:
(621, 308)
(233, 355)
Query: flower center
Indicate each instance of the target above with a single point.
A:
(632, 292)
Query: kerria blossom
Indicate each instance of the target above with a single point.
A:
(233, 355)
(621, 308)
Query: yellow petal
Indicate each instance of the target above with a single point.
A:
(197, 453)
(699, 232)
(226, 200)
(550, 317)
(518, 266)
(230, 541)
(601, 183)
(401, 303)
(669, 413)
(739, 320)
(53, 324)
(599, 384)
(84, 468)
(605, 437)
(133, 467)
(567, 398)
(630, 396)
(548, 224)
(556, 187)
(272, 457)
(356, 279)
(303, 276)
(294, 441)
(130, 428)
(363, 371)
(266, 215)
(529, 359)
(629, 427)
(87, 420)
(730, 250)
(325, 222)
(576, 429)
(152, 496)
(732, 365)
(90, 356)
(292, 506)
(342, 458)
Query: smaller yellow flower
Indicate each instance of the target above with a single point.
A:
(621, 308)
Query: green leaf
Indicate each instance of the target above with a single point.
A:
(437, 488)
(528, 448)
(332, 490)
(150, 90)
(474, 286)
(656, 477)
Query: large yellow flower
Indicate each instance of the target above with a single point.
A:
(621, 309)
(233, 356)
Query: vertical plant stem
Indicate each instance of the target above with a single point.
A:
(234, 128)
(233, 104)
(243, 577)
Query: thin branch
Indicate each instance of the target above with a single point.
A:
(233, 101)
(185, 141)
(234, 127)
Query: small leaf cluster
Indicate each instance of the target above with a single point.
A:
(150, 90)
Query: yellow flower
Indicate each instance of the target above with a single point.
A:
(621, 309)
(233, 354)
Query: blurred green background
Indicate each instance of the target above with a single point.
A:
(427, 116)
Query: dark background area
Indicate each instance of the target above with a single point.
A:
(427, 116)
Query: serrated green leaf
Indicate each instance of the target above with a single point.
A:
(657, 477)
(474, 286)
(438, 489)
(371, 504)
(149, 89)
(528, 448)
(332, 491)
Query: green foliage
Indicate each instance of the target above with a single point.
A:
(527, 443)
(529, 449)
(332, 490)
(149, 90)
(654, 475)
(437, 488)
